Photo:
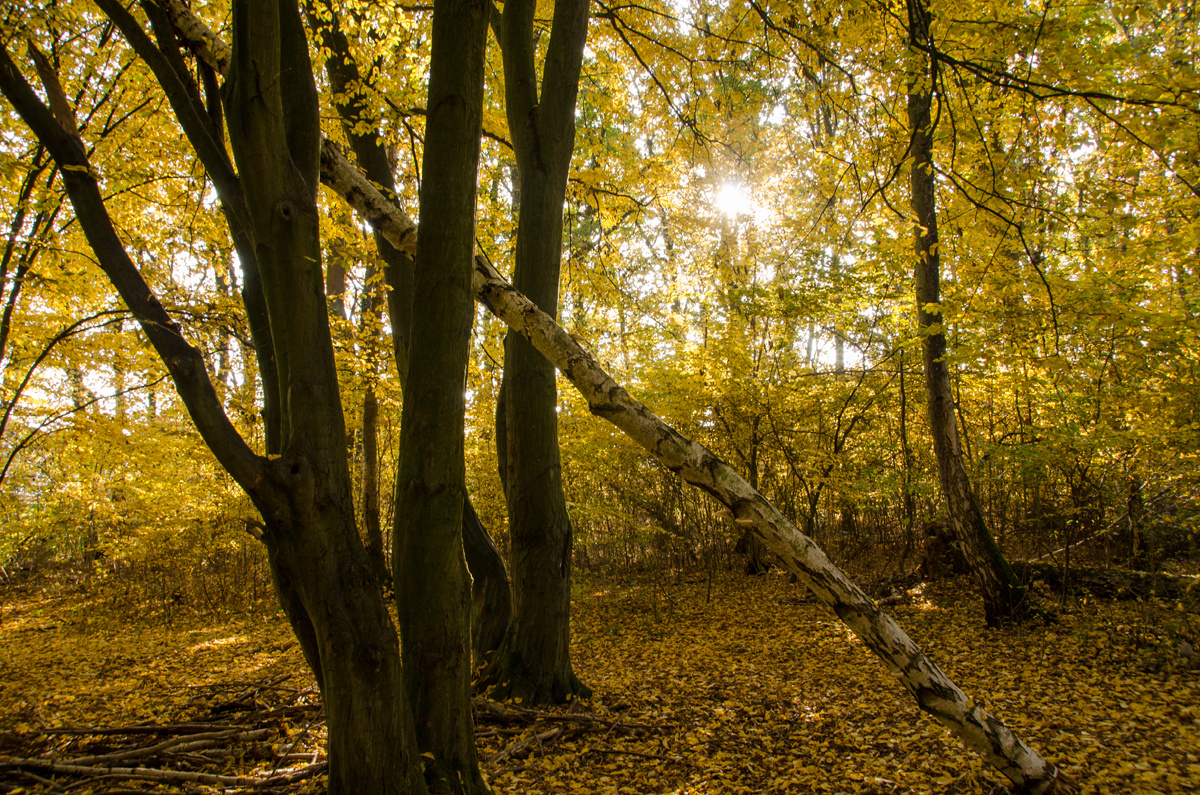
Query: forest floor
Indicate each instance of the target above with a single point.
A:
(734, 686)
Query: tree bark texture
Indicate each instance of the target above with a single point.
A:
(374, 199)
(433, 588)
(491, 600)
(490, 587)
(1003, 595)
(274, 133)
(534, 660)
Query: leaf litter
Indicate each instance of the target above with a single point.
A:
(741, 685)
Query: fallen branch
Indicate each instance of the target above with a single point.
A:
(525, 744)
(156, 774)
(490, 710)
(1113, 525)
(190, 742)
(590, 720)
(622, 752)
(144, 728)
(188, 756)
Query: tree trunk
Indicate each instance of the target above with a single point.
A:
(274, 133)
(372, 526)
(337, 613)
(361, 128)
(433, 588)
(534, 660)
(756, 551)
(303, 494)
(1003, 595)
(491, 600)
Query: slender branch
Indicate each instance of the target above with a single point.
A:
(184, 362)
(67, 332)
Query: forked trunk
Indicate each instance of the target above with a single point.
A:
(534, 661)
(491, 600)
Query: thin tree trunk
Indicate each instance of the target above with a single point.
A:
(13, 280)
(756, 550)
(909, 500)
(491, 601)
(1003, 595)
(372, 526)
(483, 559)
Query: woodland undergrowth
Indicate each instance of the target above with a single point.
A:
(730, 686)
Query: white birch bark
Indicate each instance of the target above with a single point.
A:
(932, 689)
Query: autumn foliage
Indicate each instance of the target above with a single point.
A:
(737, 252)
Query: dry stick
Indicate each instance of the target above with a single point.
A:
(187, 742)
(146, 728)
(492, 711)
(155, 774)
(245, 688)
(525, 743)
(612, 725)
(934, 692)
(43, 781)
(504, 714)
(299, 737)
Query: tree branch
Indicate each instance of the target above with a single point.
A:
(184, 362)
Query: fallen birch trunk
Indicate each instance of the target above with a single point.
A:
(932, 689)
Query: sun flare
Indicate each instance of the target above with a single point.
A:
(733, 199)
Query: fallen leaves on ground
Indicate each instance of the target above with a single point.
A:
(740, 686)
